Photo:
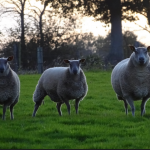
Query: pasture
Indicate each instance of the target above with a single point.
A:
(100, 124)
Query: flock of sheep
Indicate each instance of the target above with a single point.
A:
(130, 80)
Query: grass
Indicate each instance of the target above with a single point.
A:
(100, 124)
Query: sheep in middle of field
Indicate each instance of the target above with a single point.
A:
(130, 78)
(62, 84)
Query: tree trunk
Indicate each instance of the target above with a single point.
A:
(23, 46)
(41, 27)
(41, 32)
(116, 50)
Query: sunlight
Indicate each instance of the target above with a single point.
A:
(88, 24)
(97, 28)
(137, 28)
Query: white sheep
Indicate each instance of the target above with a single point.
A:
(62, 84)
(9, 86)
(130, 79)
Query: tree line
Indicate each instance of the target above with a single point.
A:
(94, 49)
(53, 27)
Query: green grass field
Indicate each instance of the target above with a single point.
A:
(100, 124)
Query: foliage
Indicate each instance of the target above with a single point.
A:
(54, 26)
(93, 49)
(112, 12)
(101, 9)
(54, 33)
(94, 62)
(100, 124)
(130, 39)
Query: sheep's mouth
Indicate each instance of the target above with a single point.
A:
(141, 62)
(75, 72)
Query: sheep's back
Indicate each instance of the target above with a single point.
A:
(50, 80)
(51, 77)
(57, 81)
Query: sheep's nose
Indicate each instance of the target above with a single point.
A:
(1, 70)
(141, 60)
(75, 71)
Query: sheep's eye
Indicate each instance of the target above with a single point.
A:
(136, 52)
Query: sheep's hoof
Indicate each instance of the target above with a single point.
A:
(33, 115)
(60, 114)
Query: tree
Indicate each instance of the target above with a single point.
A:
(57, 33)
(108, 11)
(38, 17)
(18, 7)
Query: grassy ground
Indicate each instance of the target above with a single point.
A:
(100, 124)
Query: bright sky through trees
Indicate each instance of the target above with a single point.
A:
(97, 28)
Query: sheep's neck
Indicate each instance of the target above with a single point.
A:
(73, 77)
(5, 80)
(138, 72)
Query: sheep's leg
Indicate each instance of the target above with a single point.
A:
(4, 111)
(130, 102)
(77, 101)
(58, 106)
(66, 102)
(37, 98)
(143, 105)
(36, 106)
(68, 106)
(11, 108)
(126, 106)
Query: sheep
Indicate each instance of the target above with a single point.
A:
(61, 84)
(130, 79)
(9, 86)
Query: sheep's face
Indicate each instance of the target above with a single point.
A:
(141, 56)
(4, 64)
(74, 65)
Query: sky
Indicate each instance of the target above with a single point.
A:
(97, 28)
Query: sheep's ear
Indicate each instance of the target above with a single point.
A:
(66, 61)
(132, 48)
(82, 60)
(10, 58)
(148, 48)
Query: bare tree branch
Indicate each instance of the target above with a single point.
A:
(8, 11)
(14, 3)
(35, 7)
(142, 27)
